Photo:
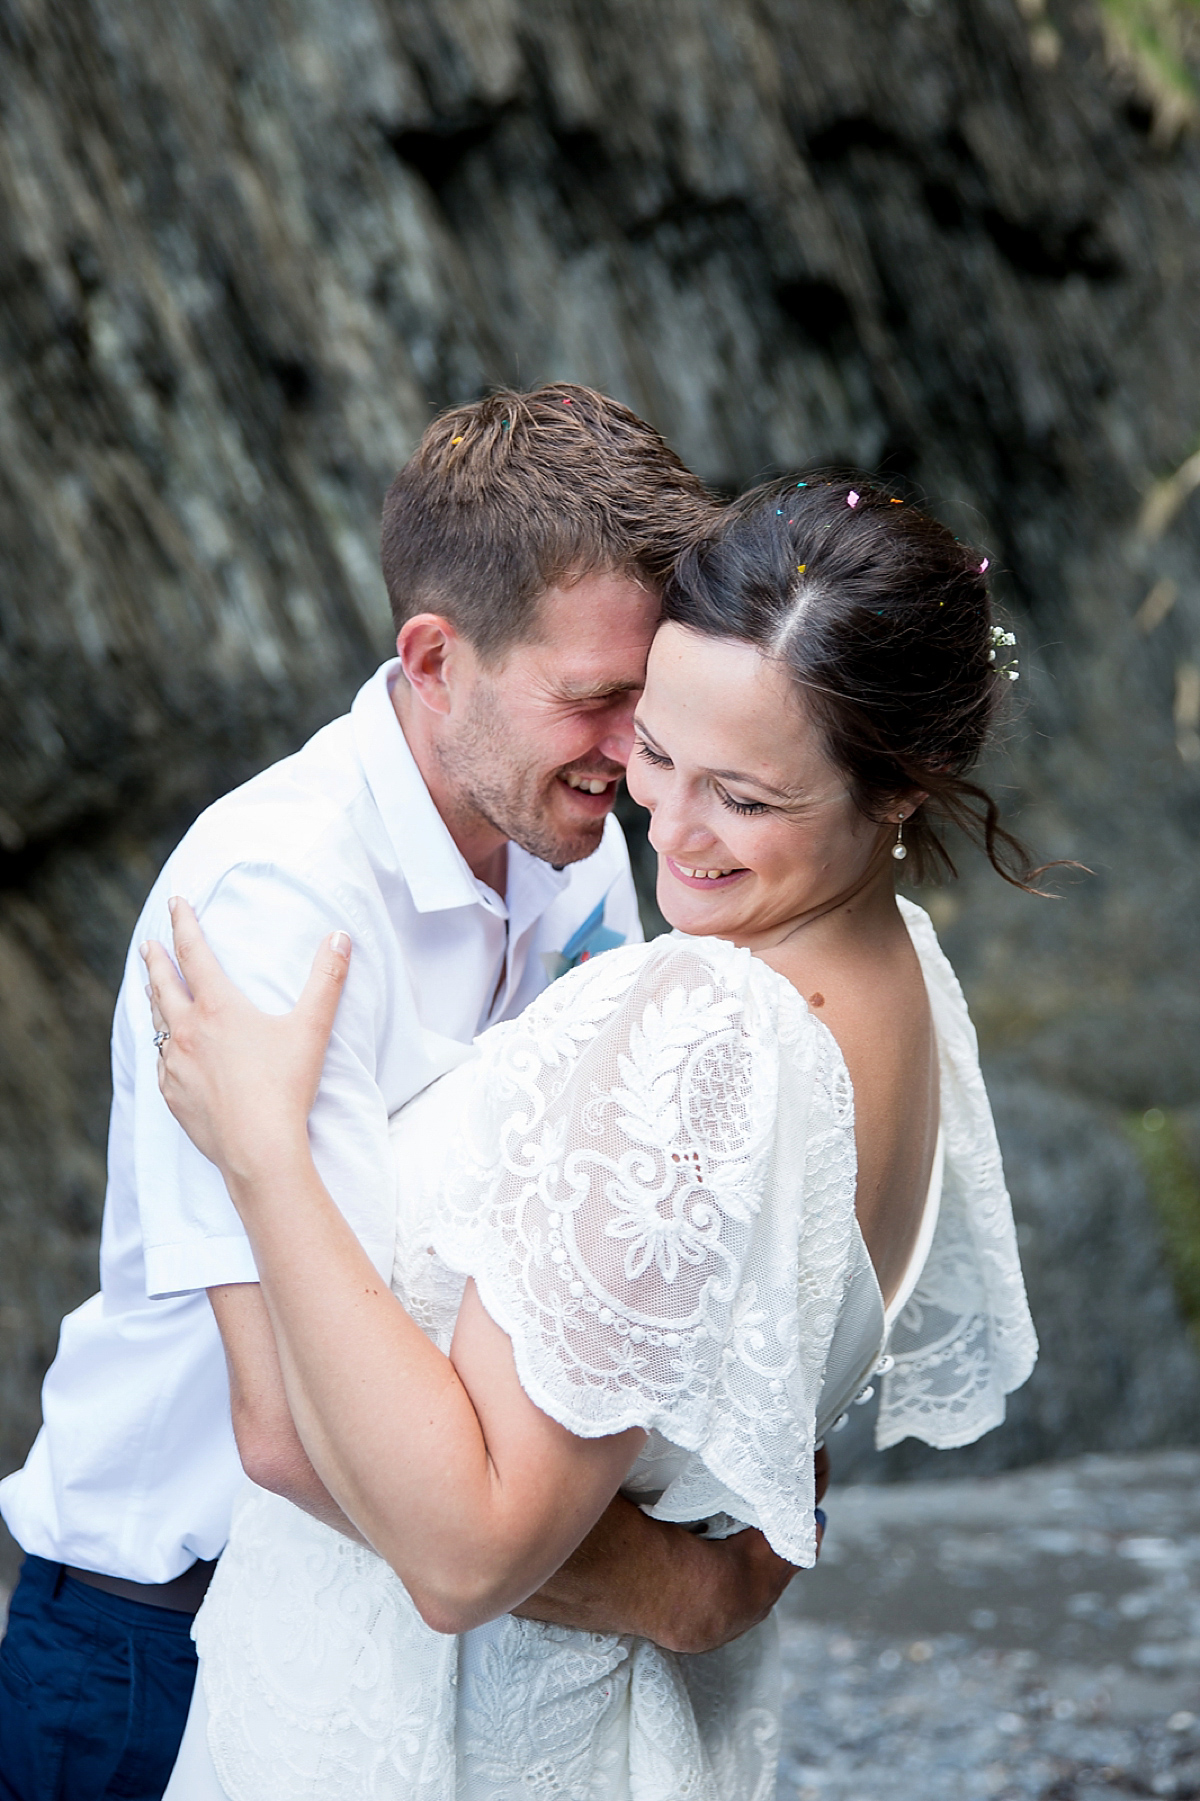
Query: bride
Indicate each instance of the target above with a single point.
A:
(654, 1235)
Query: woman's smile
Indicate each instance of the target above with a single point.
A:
(704, 878)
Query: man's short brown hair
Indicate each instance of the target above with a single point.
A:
(519, 493)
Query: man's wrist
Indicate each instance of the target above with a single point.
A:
(697, 1598)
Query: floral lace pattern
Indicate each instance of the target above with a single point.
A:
(656, 1201)
(651, 1178)
(321, 1678)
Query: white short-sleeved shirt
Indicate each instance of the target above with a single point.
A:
(134, 1470)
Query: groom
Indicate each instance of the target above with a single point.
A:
(458, 823)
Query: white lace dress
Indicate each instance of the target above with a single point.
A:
(650, 1175)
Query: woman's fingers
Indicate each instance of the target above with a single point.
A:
(238, 1080)
(169, 998)
(320, 995)
(205, 977)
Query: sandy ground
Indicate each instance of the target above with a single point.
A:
(1030, 1635)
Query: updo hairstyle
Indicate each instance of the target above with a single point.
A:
(884, 622)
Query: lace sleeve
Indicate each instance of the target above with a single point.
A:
(655, 1197)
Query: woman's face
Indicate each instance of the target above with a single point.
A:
(754, 827)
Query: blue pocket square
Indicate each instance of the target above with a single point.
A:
(592, 937)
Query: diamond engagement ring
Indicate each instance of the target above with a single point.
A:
(160, 1038)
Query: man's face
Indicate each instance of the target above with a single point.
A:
(531, 736)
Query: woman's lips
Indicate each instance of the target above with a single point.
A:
(707, 882)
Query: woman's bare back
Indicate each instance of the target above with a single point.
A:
(861, 975)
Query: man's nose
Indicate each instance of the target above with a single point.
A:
(617, 743)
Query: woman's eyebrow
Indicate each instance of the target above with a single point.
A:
(754, 781)
(726, 775)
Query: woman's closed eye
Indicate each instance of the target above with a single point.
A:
(740, 806)
(726, 799)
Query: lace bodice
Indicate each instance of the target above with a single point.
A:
(650, 1175)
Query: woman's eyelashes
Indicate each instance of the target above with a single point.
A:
(727, 800)
(740, 806)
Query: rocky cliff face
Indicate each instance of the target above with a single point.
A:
(246, 251)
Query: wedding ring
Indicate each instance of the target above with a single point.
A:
(160, 1038)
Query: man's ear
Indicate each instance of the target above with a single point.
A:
(434, 659)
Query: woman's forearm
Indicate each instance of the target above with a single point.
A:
(444, 1464)
(469, 1521)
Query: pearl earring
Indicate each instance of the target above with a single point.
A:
(899, 849)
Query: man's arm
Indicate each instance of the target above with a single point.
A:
(658, 1581)
(631, 1574)
(267, 1441)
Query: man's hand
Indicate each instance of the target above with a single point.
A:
(636, 1575)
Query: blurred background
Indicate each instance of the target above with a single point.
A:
(246, 253)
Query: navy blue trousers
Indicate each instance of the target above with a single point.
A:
(94, 1692)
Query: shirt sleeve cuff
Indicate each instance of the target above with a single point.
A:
(173, 1269)
(199, 1263)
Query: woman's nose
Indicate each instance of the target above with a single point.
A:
(674, 828)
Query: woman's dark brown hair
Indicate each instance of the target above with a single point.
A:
(885, 623)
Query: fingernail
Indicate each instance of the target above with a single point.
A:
(341, 943)
(172, 904)
(822, 1522)
(149, 992)
(144, 952)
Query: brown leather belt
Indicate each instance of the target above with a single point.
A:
(181, 1595)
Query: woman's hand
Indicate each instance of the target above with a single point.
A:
(240, 1082)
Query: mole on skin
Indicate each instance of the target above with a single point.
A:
(816, 1000)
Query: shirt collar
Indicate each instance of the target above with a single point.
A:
(532, 885)
(436, 872)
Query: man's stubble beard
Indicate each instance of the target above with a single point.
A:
(484, 774)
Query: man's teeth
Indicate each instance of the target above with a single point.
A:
(590, 784)
(707, 875)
